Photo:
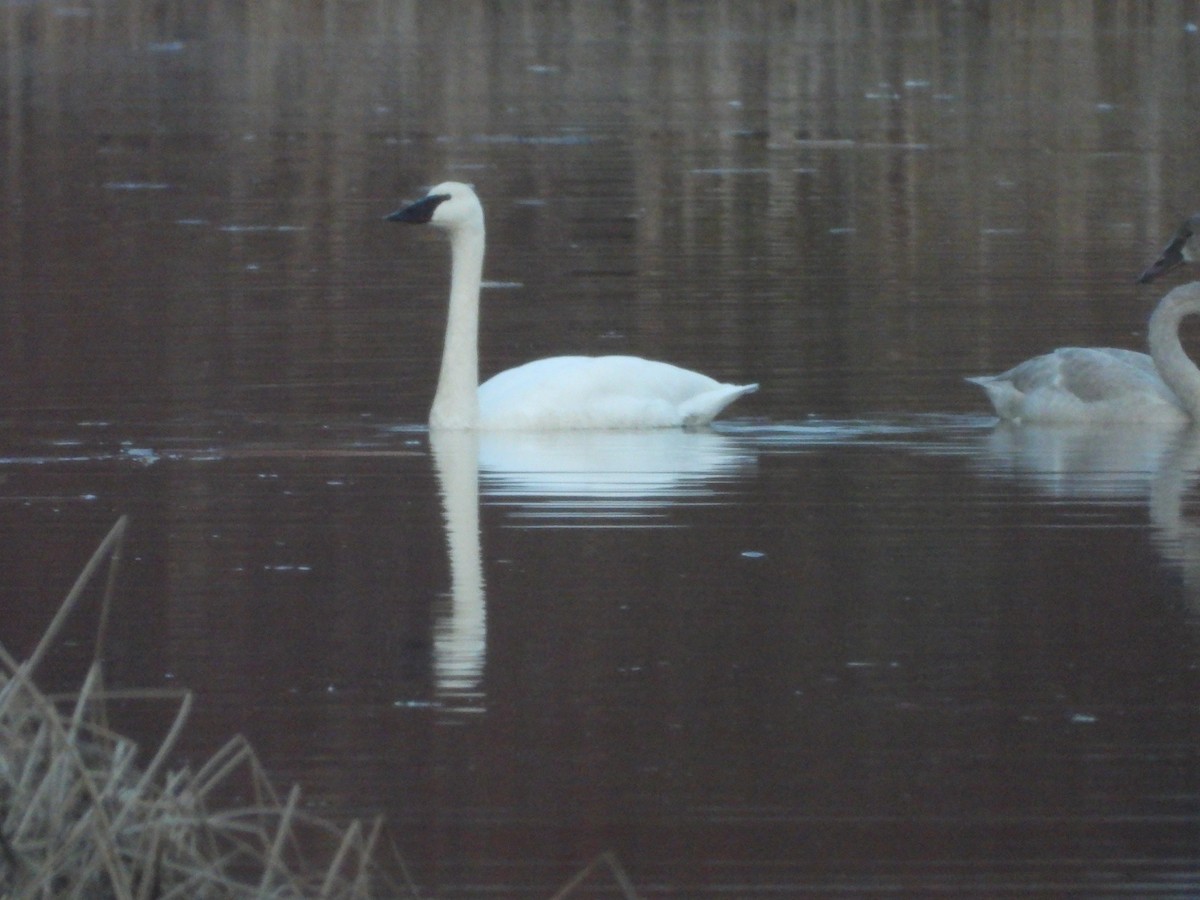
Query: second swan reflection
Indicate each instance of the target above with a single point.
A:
(1109, 468)
(1108, 384)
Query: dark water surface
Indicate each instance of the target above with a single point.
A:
(856, 640)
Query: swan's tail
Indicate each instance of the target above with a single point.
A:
(702, 409)
(1005, 397)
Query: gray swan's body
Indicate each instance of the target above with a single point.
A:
(1106, 384)
(560, 392)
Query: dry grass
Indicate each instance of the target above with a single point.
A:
(80, 817)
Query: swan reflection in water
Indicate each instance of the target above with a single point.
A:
(1175, 535)
(1081, 461)
(554, 479)
(1156, 465)
(460, 623)
(597, 479)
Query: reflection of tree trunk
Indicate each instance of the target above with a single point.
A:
(302, 110)
(460, 626)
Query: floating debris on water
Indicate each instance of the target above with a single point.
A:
(729, 170)
(135, 186)
(566, 140)
(237, 229)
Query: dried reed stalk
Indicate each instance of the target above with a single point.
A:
(80, 818)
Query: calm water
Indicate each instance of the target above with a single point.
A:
(855, 640)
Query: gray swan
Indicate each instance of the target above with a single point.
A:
(1107, 384)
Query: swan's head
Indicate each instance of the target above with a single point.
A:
(450, 205)
(1181, 250)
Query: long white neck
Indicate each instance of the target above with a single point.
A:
(1176, 369)
(456, 403)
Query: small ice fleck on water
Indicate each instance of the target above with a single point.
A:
(135, 186)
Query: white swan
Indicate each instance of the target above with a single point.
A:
(556, 393)
(1105, 384)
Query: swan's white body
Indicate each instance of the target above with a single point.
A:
(601, 392)
(561, 392)
(1104, 384)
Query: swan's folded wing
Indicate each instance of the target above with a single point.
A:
(1082, 384)
(1107, 374)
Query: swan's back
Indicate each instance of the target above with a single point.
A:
(602, 392)
(1083, 384)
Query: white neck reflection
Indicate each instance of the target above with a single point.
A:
(1156, 465)
(460, 624)
(1175, 536)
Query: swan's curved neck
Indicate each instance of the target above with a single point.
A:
(1176, 369)
(456, 403)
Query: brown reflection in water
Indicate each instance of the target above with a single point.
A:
(853, 203)
(865, 201)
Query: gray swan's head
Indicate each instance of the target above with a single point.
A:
(1181, 250)
(450, 205)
